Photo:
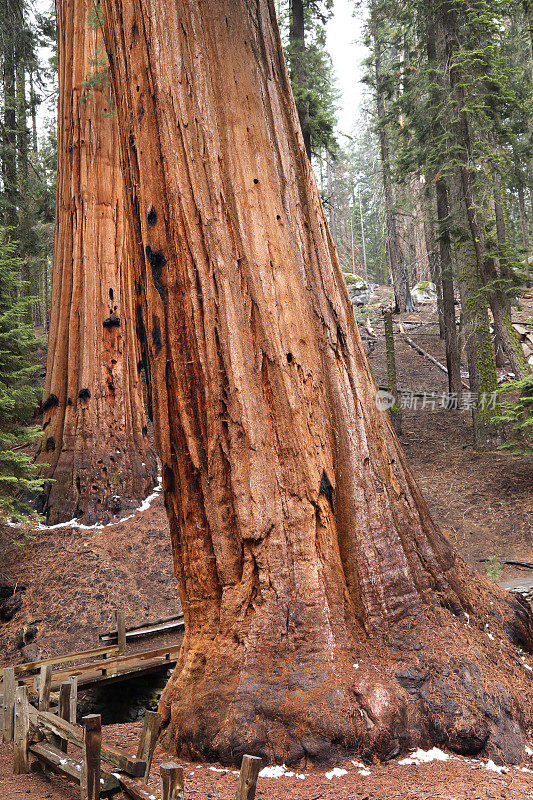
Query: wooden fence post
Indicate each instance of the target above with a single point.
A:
(250, 767)
(10, 686)
(148, 740)
(21, 759)
(45, 681)
(121, 630)
(91, 755)
(73, 699)
(64, 710)
(172, 782)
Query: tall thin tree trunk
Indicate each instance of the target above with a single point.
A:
(434, 263)
(504, 250)
(33, 108)
(492, 283)
(317, 592)
(9, 133)
(476, 331)
(453, 360)
(397, 262)
(453, 356)
(95, 445)
(524, 222)
(298, 67)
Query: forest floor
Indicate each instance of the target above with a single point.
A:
(457, 778)
(75, 578)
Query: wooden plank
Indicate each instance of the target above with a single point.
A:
(148, 740)
(142, 625)
(136, 789)
(172, 782)
(150, 629)
(74, 733)
(45, 682)
(21, 759)
(169, 653)
(120, 618)
(35, 666)
(69, 766)
(92, 678)
(250, 768)
(10, 686)
(91, 751)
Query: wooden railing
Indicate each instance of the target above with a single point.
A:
(43, 728)
(46, 736)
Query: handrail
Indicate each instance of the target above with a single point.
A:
(119, 758)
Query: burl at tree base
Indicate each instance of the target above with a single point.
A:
(325, 613)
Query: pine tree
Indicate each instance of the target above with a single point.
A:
(18, 387)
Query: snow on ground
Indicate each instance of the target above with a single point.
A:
(73, 523)
(280, 771)
(492, 767)
(425, 756)
(336, 772)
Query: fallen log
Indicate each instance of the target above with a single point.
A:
(407, 339)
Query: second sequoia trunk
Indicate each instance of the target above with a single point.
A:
(318, 594)
(95, 445)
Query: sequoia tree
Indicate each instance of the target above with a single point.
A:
(95, 445)
(324, 611)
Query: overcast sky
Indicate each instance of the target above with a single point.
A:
(344, 42)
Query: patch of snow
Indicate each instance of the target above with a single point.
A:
(490, 635)
(425, 756)
(529, 751)
(279, 771)
(146, 503)
(358, 764)
(73, 523)
(364, 772)
(336, 772)
(217, 769)
(272, 772)
(467, 615)
(356, 666)
(492, 767)
(525, 769)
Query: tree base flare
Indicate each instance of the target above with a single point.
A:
(448, 678)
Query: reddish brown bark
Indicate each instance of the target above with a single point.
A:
(95, 445)
(324, 610)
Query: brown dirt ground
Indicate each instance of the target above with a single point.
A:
(457, 779)
(75, 578)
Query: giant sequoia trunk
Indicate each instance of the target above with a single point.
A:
(95, 444)
(319, 596)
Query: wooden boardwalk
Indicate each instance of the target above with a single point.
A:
(105, 664)
(49, 736)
